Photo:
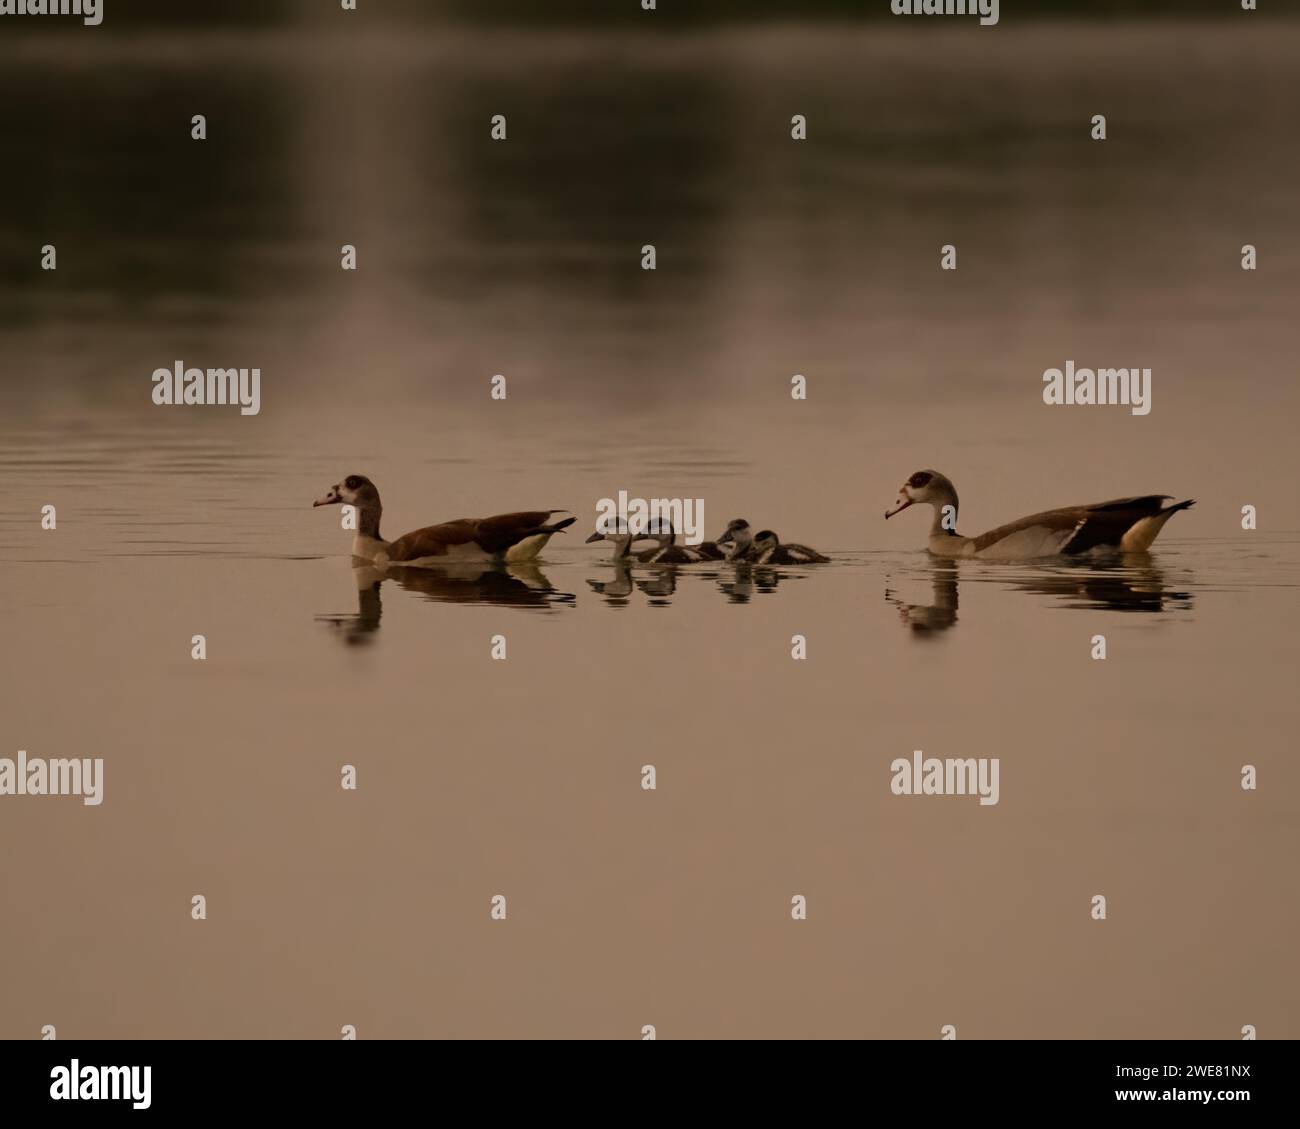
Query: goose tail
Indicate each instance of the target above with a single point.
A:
(1141, 533)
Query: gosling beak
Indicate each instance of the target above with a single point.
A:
(725, 539)
(330, 499)
(903, 503)
(597, 536)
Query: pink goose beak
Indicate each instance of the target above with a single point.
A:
(903, 503)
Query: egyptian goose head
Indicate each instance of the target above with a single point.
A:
(928, 486)
(356, 490)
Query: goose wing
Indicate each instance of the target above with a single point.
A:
(1107, 522)
(804, 555)
(1076, 529)
(1056, 526)
(491, 534)
(497, 534)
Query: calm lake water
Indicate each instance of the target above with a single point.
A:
(479, 777)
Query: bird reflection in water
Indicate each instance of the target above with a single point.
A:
(738, 582)
(940, 615)
(618, 587)
(1128, 582)
(520, 585)
(660, 585)
(739, 586)
(657, 582)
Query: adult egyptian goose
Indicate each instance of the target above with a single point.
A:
(1121, 525)
(769, 550)
(621, 538)
(741, 539)
(505, 537)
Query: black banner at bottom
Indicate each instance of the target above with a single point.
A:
(368, 1077)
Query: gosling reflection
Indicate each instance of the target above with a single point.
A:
(658, 582)
(660, 585)
(744, 580)
(618, 588)
(1129, 582)
(520, 585)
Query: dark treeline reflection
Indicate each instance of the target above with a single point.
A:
(593, 192)
(166, 229)
(152, 215)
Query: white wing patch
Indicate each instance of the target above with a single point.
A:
(1028, 544)
(1078, 525)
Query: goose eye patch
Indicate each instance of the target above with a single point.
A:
(919, 479)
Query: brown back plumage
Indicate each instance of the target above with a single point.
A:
(1103, 523)
(491, 534)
